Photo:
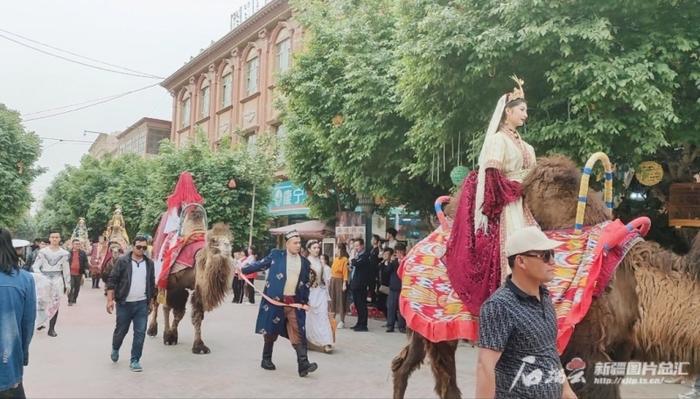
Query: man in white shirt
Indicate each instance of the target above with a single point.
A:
(132, 285)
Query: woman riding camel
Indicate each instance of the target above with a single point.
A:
(490, 205)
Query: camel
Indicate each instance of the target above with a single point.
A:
(647, 313)
(209, 280)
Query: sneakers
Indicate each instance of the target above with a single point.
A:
(135, 366)
(114, 356)
(340, 325)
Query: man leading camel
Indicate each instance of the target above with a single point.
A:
(287, 282)
(518, 326)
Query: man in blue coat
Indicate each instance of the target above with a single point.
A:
(288, 284)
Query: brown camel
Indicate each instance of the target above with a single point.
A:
(649, 311)
(209, 280)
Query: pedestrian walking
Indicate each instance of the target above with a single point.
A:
(18, 311)
(53, 263)
(518, 326)
(318, 326)
(358, 284)
(288, 283)
(132, 285)
(339, 284)
(79, 265)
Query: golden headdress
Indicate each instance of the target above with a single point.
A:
(518, 91)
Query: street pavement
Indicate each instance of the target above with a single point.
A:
(76, 364)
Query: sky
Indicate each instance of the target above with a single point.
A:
(154, 36)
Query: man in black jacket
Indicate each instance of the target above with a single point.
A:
(358, 284)
(78, 262)
(132, 284)
(393, 312)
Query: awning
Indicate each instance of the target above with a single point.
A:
(308, 229)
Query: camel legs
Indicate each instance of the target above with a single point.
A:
(406, 362)
(153, 325)
(198, 346)
(176, 300)
(442, 363)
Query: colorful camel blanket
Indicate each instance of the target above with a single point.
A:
(183, 252)
(585, 265)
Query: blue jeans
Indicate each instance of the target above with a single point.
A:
(128, 312)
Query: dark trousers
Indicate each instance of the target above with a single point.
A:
(381, 303)
(74, 288)
(13, 393)
(393, 313)
(128, 312)
(360, 299)
(250, 293)
(238, 284)
(95, 281)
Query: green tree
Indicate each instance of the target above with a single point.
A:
(212, 170)
(19, 152)
(92, 190)
(346, 135)
(141, 186)
(620, 77)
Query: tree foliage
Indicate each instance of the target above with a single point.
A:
(388, 96)
(620, 77)
(141, 187)
(19, 152)
(346, 135)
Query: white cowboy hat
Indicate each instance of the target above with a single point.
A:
(17, 243)
(529, 239)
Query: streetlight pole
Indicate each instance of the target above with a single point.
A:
(252, 213)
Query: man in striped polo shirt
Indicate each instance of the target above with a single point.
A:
(518, 327)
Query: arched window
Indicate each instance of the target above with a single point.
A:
(283, 51)
(204, 96)
(226, 86)
(252, 72)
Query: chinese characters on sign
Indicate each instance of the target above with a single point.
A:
(246, 11)
(288, 199)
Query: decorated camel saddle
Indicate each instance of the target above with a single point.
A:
(114, 243)
(181, 232)
(584, 267)
(116, 229)
(80, 232)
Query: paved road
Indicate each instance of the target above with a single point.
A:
(76, 364)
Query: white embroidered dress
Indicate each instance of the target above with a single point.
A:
(318, 325)
(514, 158)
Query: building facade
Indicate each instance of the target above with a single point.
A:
(229, 88)
(105, 144)
(143, 137)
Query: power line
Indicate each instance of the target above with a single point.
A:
(108, 99)
(43, 111)
(78, 55)
(76, 61)
(66, 140)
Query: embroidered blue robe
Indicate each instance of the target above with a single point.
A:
(271, 319)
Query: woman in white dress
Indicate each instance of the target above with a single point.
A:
(318, 327)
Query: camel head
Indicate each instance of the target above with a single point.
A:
(551, 192)
(219, 240)
(194, 219)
